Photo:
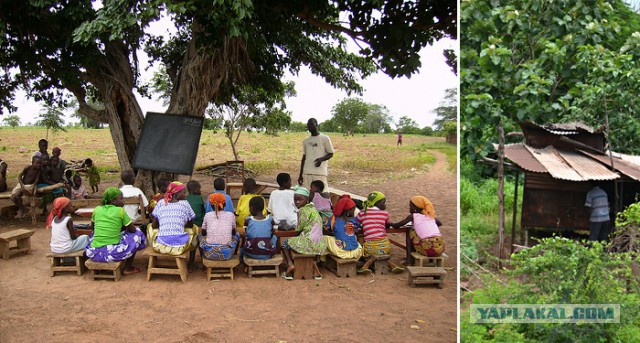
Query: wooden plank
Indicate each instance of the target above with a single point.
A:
(16, 234)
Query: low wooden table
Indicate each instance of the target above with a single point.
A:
(22, 238)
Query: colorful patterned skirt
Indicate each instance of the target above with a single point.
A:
(334, 247)
(219, 252)
(430, 246)
(192, 242)
(376, 247)
(129, 244)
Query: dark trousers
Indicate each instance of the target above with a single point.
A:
(599, 231)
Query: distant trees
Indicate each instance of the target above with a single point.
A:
(447, 111)
(12, 120)
(354, 115)
(52, 118)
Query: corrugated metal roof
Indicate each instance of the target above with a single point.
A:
(521, 156)
(561, 164)
(555, 164)
(627, 168)
(572, 128)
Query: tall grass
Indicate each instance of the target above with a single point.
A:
(479, 215)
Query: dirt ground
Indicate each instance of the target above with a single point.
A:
(70, 308)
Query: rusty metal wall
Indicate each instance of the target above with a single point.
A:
(547, 202)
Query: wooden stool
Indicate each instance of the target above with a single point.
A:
(58, 266)
(426, 261)
(342, 267)
(164, 264)
(304, 265)
(222, 268)
(264, 267)
(105, 270)
(382, 264)
(22, 238)
(426, 275)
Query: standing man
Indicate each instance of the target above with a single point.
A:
(399, 138)
(599, 221)
(316, 150)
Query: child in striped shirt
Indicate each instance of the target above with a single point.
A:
(374, 220)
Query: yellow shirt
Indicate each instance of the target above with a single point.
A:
(242, 210)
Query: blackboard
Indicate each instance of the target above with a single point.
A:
(169, 143)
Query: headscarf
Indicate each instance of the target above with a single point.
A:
(343, 204)
(372, 199)
(217, 201)
(110, 194)
(301, 190)
(425, 205)
(172, 189)
(59, 204)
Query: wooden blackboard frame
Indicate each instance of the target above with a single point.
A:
(169, 143)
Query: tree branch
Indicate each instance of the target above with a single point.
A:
(84, 108)
(306, 16)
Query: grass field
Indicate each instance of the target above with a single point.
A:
(374, 156)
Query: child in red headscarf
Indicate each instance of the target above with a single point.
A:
(63, 237)
(218, 239)
(425, 235)
(342, 226)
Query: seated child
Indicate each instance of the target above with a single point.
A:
(128, 190)
(260, 242)
(218, 237)
(343, 242)
(3, 175)
(77, 190)
(219, 185)
(63, 237)
(281, 205)
(27, 181)
(375, 221)
(321, 200)
(162, 184)
(309, 239)
(93, 174)
(425, 235)
(195, 200)
(248, 192)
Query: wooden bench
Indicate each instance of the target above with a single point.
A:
(223, 268)
(381, 264)
(23, 241)
(304, 265)
(264, 267)
(58, 265)
(167, 264)
(426, 261)
(426, 275)
(105, 270)
(342, 267)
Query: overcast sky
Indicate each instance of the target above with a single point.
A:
(416, 97)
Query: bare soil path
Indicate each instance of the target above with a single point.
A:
(70, 308)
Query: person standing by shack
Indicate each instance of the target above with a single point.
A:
(599, 221)
(317, 150)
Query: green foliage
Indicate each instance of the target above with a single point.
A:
(630, 215)
(12, 120)
(561, 271)
(546, 61)
(297, 126)
(349, 112)
(447, 110)
(52, 119)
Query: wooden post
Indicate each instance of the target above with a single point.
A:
(500, 193)
(613, 169)
(515, 211)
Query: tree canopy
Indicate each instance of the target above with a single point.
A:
(90, 49)
(548, 61)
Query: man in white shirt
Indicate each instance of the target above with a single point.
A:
(316, 151)
(129, 190)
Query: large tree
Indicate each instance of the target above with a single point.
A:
(447, 110)
(547, 61)
(90, 49)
